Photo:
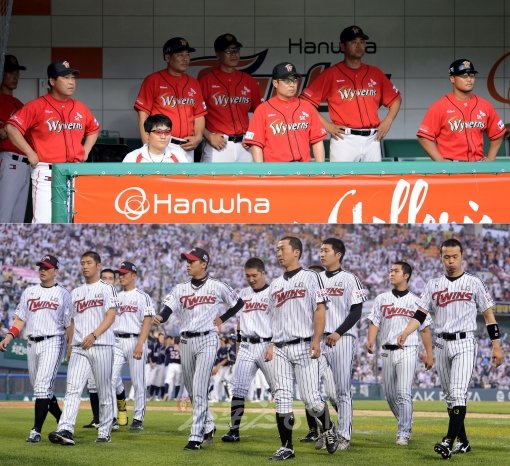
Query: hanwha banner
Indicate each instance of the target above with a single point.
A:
(288, 199)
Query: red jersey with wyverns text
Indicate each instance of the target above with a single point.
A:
(284, 130)
(177, 97)
(8, 106)
(353, 95)
(229, 97)
(457, 127)
(55, 128)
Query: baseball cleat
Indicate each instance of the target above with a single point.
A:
(209, 437)
(106, 439)
(320, 444)
(231, 436)
(62, 437)
(136, 425)
(443, 449)
(92, 425)
(459, 448)
(311, 436)
(343, 443)
(191, 446)
(115, 425)
(282, 454)
(332, 439)
(402, 440)
(34, 436)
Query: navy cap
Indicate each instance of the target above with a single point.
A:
(461, 66)
(225, 41)
(11, 64)
(61, 68)
(175, 45)
(284, 70)
(196, 254)
(351, 33)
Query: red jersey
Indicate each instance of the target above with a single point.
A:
(457, 126)
(229, 97)
(55, 128)
(177, 97)
(8, 106)
(284, 130)
(354, 96)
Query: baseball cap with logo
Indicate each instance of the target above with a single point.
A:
(225, 41)
(61, 68)
(196, 254)
(175, 45)
(351, 33)
(285, 70)
(48, 261)
(462, 66)
(11, 64)
(126, 267)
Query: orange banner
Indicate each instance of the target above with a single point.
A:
(289, 199)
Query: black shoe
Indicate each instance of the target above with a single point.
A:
(443, 449)
(93, 425)
(136, 425)
(459, 448)
(209, 436)
(62, 437)
(193, 445)
(282, 454)
(231, 436)
(106, 439)
(311, 436)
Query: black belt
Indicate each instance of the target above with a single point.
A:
(292, 342)
(236, 138)
(362, 132)
(453, 336)
(194, 334)
(127, 335)
(179, 142)
(255, 339)
(38, 339)
(390, 347)
(20, 158)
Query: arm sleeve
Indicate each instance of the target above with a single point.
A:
(351, 319)
(233, 310)
(165, 313)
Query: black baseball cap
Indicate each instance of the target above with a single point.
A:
(48, 261)
(175, 45)
(196, 254)
(11, 64)
(351, 33)
(126, 267)
(225, 41)
(61, 68)
(285, 70)
(462, 66)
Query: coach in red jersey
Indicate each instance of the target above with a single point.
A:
(453, 127)
(354, 92)
(49, 130)
(283, 128)
(229, 95)
(174, 93)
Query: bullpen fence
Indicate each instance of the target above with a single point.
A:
(384, 192)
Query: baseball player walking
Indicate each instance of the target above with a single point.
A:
(254, 336)
(354, 92)
(455, 298)
(93, 308)
(196, 302)
(453, 127)
(14, 168)
(131, 328)
(174, 93)
(43, 311)
(283, 128)
(173, 377)
(390, 314)
(229, 95)
(49, 130)
(298, 315)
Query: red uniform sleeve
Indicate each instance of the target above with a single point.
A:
(317, 91)
(317, 131)
(495, 126)
(430, 126)
(256, 131)
(145, 98)
(255, 94)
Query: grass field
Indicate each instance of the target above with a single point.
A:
(166, 432)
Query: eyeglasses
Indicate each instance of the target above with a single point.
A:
(232, 51)
(161, 132)
(289, 81)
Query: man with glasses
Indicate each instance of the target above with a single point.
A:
(174, 93)
(283, 128)
(229, 94)
(158, 149)
(453, 127)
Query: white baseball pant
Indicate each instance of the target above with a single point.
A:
(354, 148)
(232, 152)
(14, 184)
(41, 193)
(44, 358)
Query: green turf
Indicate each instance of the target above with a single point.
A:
(166, 433)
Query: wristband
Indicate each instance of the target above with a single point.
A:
(493, 331)
(238, 339)
(420, 316)
(14, 331)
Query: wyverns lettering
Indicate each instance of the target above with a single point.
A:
(56, 125)
(172, 101)
(222, 100)
(279, 127)
(459, 125)
(349, 94)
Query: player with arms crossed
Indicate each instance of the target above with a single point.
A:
(390, 314)
(93, 308)
(253, 336)
(43, 312)
(298, 314)
(455, 298)
(196, 303)
(354, 92)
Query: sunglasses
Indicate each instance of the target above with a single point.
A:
(161, 132)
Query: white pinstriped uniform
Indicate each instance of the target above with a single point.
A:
(197, 307)
(391, 314)
(455, 304)
(134, 305)
(45, 312)
(292, 307)
(343, 290)
(89, 304)
(254, 322)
